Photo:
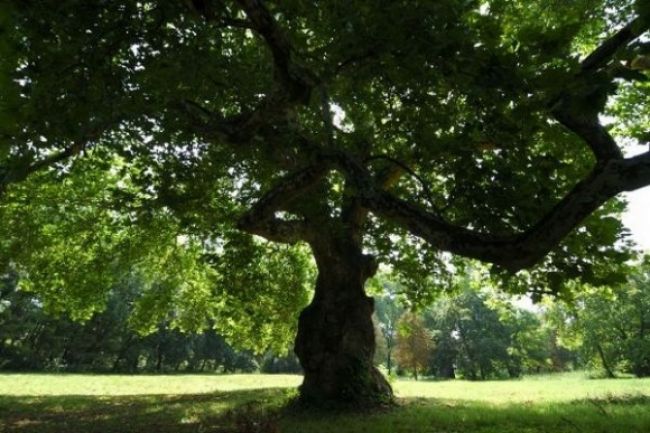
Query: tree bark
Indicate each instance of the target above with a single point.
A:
(335, 342)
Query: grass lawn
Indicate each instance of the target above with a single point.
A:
(43, 403)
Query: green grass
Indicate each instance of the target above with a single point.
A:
(46, 403)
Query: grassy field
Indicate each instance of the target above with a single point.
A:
(572, 403)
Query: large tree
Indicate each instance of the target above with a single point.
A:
(370, 131)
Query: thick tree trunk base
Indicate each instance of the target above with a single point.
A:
(335, 345)
(368, 391)
(336, 337)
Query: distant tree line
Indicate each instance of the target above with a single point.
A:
(478, 333)
(31, 339)
(474, 332)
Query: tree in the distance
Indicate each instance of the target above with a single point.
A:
(414, 344)
(388, 310)
(611, 326)
(368, 132)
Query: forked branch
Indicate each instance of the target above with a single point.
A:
(514, 252)
(587, 125)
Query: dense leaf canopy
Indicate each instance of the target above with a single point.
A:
(147, 137)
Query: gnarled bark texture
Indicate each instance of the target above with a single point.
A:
(335, 341)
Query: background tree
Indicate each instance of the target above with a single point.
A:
(442, 319)
(462, 126)
(529, 336)
(388, 310)
(33, 340)
(609, 326)
(481, 334)
(414, 344)
(481, 340)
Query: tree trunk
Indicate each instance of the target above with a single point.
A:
(159, 358)
(389, 361)
(603, 359)
(447, 371)
(335, 342)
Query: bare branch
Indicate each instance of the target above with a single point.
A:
(424, 185)
(237, 129)
(353, 60)
(234, 22)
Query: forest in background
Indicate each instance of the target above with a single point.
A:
(471, 331)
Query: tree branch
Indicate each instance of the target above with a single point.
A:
(19, 173)
(353, 214)
(261, 220)
(587, 126)
(513, 252)
(423, 184)
(525, 249)
(604, 53)
(602, 144)
(296, 80)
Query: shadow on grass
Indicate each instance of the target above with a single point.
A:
(213, 412)
(265, 410)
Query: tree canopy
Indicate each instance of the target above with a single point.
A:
(152, 137)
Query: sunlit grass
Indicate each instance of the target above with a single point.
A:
(254, 403)
(113, 385)
(534, 389)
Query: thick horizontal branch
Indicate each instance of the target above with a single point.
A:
(514, 252)
(636, 172)
(261, 220)
(525, 249)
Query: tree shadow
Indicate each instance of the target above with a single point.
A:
(211, 412)
(269, 411)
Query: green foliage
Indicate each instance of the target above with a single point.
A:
(473, 332)
(610, 325)
(71, 241)
(32, 340)
(478, 343)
